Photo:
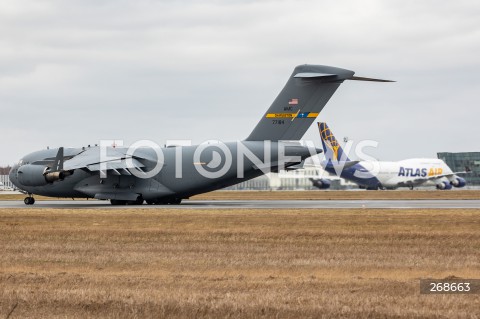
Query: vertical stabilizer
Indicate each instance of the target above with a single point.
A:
(332, 149)
(307, 91)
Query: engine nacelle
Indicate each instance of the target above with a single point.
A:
(321, 183)
(39, 175)
(444, 185)
(459, 182)
(32, 175)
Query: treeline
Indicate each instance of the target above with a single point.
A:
(5, 170)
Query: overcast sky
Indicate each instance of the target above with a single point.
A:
(75, 72)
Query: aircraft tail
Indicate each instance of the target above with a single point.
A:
(332, 149)
(307, 91)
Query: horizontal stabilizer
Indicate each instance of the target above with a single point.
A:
(342, 165)
(312, 75)
(359, 78)
(350, 164)
(300, 165)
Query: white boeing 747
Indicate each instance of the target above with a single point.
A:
(386, 175)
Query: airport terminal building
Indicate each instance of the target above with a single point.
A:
(5, 182)
(292, 180)
(464, 161)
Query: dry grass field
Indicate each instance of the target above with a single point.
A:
(314, 195)
(138, 263)
(339, 195)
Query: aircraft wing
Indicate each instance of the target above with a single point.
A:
(431, 178)
(115, 160)
(461, 173)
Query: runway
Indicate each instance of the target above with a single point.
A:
(258, 204)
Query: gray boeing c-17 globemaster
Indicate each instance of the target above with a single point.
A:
(168, 175)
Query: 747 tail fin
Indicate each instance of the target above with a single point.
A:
(332, 149)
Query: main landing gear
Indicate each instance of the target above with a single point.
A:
(138, 201)
(29, 200)
(165, 201)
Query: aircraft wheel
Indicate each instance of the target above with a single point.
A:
(175, 201)
(150, 202)
(139, 201)
(29, 200)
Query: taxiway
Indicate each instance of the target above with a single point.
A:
(265, 204)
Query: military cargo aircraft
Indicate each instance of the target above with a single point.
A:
(168, 175)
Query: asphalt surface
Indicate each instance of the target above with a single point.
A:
(265, 204)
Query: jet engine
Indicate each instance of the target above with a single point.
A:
(458, 182)
(444, 185)
(39, 175)
(321, 183)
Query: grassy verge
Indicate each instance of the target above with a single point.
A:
(241, 264)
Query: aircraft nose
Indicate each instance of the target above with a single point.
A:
(13, 175)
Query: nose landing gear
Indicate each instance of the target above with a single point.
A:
(29, 200)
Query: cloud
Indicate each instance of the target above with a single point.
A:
(75, 72)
